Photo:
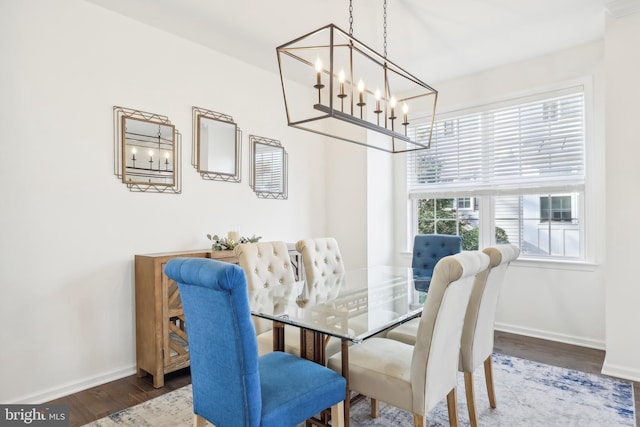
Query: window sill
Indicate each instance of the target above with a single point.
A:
(556, 264)
(530, 262)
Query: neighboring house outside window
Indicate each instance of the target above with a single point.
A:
(515, 168)
(555, 208)
(464, 202)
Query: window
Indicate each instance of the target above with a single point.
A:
(506, 172)
(555, 208)
(445, 216)
(464, 203)
(528, 223)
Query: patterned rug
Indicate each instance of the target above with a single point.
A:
(528, 394)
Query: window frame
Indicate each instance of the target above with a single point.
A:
(585, 209)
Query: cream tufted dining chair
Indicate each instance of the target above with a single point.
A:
(268, 265)
(321, 258)
(417, 377)
(324, 273)
(477, 336)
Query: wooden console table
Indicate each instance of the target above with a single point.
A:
(161, 338)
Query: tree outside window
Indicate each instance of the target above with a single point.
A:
(443, 216)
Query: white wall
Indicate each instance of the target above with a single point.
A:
(622, 61)
(69, 228)
(346, 200)
(380, 206)
(360, 208)
(563, 303)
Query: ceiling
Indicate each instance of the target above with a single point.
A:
(434, 40)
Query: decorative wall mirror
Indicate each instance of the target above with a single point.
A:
(147, 153)
(217, 143)
(268, 168)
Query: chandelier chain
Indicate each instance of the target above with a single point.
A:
(351, 17)
(385, 28)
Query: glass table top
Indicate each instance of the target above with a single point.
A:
(354, 305)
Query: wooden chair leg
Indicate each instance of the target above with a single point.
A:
(337, 415)
(471, 401)
(452, 405)
(198, 421)
(419, 421)
(488, 377)
(375, 408)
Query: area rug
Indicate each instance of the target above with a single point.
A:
(528, 394)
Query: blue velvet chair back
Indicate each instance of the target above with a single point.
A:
(428, 249)
(222, 340)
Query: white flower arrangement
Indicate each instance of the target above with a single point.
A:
(225, 244)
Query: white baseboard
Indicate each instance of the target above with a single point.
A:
(74, 387)
(551, 336)
(620, 371)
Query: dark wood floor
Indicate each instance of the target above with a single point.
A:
(97, 402)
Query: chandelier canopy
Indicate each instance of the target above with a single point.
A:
(335, 85)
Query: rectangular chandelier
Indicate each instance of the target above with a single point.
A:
(336, 86)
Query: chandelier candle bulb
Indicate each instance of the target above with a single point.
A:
(133, 152)
(377, 110)
(361, 93)
(392, 117)
(378, 96)
(405, 110)
(361, 102)
(319, 84)
(341, 94)
(392, 104)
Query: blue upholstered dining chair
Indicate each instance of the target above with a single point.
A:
(232, 385)
(428, 249)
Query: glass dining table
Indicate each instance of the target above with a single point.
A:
(351, 307)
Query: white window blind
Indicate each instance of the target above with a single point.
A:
(518, 147)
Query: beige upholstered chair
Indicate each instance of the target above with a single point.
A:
(324, 274)
(416, 378)
(268, 265)
(320, 258)
(477, 336)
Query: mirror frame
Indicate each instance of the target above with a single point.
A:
(165, 143)
(198, 115)
(254, 141)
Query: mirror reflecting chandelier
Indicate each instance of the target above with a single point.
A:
(336, 86)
